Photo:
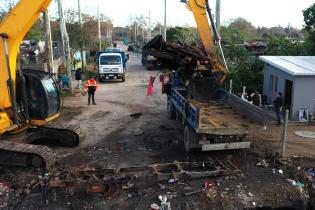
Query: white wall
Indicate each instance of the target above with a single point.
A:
(304, 95)
(282, 76)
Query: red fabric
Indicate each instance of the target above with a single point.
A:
(150, 86)
(90, 83)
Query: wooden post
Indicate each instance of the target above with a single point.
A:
(285, 133)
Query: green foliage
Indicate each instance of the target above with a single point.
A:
(246, 27)
(245, 69)
(89, 74)
(309, 17)
(36, 32)
(231, 36)
(283, 46)
(182, 34)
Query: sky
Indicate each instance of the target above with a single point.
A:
(259, 12)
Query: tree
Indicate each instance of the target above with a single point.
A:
(309, 19)
(231, 36)
(182, 34)
(88, 34)
(283, 46)
(36, 32)
(245, 26)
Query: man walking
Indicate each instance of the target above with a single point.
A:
(278, 106)
(78, 77)
(90, 87)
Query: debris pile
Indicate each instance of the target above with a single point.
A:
(193, 63)
(5, 192)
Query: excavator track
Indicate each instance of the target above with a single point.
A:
(66, 135)
(18, 151)
(28, 155)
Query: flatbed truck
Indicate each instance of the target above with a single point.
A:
(219, 124)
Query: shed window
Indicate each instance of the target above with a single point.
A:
(273, 83)
(276, 84)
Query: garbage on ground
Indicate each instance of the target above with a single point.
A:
(162, 186)
(164, 204)
(209, 184)
(280, 171)
(154, 206)
(172, 180)
(141, 149)
(294, 183)
(311, 172)
(4, 195)
(193, 192)
(212, 193)
(263, 163)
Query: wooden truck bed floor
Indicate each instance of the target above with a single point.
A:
(218, 118)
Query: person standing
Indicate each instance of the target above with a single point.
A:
(64, 81)
(278, 106)
(90, 87)
(78, 77)
(257, 99)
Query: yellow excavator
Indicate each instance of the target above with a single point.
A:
(29, 99)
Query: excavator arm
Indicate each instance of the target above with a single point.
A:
(199, 10)
(13, 28)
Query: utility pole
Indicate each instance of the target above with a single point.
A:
(99, 26)
(218, 15)
(48, 43)
(165, 27)
(65, 44)
(149, 28)
(143, 37)
(135, 35)
(81, 26)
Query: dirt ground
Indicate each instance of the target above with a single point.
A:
(127, 128)
(295, 145)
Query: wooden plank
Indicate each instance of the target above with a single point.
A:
(223, 131)
(226, 146)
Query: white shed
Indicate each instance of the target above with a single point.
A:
(294, 77)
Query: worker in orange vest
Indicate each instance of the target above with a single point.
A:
(90, 87)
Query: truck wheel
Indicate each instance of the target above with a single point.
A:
(171, 110)
(187, 138)
(123, 77)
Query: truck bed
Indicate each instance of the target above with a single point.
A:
(218, 118)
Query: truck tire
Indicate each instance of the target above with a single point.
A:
(171, 110)
(187, 138)
(123, 77)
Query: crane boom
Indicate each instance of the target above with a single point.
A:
(199, 10)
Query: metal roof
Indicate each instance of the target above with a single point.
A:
(294, 65)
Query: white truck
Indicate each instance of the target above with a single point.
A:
(112, 64)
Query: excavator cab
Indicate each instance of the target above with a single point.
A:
(42, 95)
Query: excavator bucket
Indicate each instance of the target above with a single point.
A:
(203, 89)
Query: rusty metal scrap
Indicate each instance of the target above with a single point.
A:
(106, 180)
